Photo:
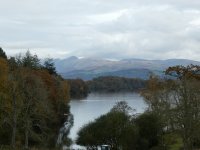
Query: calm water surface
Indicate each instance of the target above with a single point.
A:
(96, 104)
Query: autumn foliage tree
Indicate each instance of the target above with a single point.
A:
(5, 107)
(177, 101)
(32, 103)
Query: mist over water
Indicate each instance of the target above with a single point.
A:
(97, 104)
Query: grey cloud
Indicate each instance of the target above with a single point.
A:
(152, 29)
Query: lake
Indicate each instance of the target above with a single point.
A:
(96, 104)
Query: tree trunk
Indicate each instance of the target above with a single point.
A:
(14, 123)
(188, 144)
(26, 138)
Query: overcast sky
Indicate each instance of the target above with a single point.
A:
(115, 29)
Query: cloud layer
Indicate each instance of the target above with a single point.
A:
(115, 29)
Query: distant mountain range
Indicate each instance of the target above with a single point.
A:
(88, 68)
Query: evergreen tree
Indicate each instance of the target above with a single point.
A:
(2, 53)
(49, 65)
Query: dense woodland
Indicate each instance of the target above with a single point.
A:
(172, 121)
(115, 84)
(33, 101)
(107, 84)
(78, 88)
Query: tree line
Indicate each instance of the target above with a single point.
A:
(171, 121)
(33, 101)
(80, 88)
(115, 84)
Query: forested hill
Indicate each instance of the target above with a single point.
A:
(115, 84)
(80, 89)
(89, 68)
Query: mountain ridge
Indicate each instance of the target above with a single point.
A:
(88, 68)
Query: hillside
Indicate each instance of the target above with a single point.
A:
(89, 68)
